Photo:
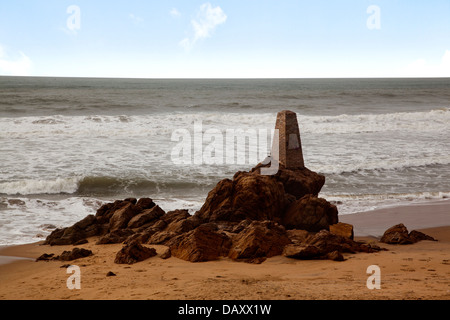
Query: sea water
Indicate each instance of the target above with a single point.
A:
(68, 145)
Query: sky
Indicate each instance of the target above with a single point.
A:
(225, 38)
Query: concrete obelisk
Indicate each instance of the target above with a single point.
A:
(290, 153)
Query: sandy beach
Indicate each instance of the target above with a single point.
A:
(417, 271)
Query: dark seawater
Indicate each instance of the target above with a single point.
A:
(69, 144)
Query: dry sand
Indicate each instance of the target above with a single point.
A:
(418, 271)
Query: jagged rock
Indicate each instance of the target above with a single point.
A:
(105, 212)
(298, 182)
(398, 234)
(76, 253)
(81, 230)
(302, 252)
(201, 244)
(134, 252)
(161, 237)
(342, 229)
(116, 236)
(335, 256)
(46, 257)
(166, 254)
(259, 239)
(145, 203)
(310, 213)
(247, 196)
(325, 245)
(146, 216)
(297, 236)
(121, 217)
(110, 274)
(183, 225)
(176, 215)
(417, 236)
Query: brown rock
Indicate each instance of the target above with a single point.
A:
(145, 203)
(184, 225)
(76, 253)
(342, 229)
(417, 236)
(297, 236)
(121, 217)
(259, 239)
(247, 196)
(134, 252)
(116, 236)
(166, 254)
(161, 237)
(145, 217)
(176, 215)
(202, 244)
(335, 256)
(397, 234)
(302, 252)
(310, 213)
(86, 227)
(325, 245)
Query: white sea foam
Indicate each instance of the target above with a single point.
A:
(165, 123)
(29, 186)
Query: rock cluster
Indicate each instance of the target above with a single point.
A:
(74, 254)
(398, 234)
(250, 217)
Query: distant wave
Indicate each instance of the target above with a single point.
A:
(93, 186)
(164, 123)
(368, 167)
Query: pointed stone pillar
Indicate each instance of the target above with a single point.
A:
(290, 153)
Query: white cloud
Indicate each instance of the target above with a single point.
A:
(18, 66)
(206, 21)
(175, 13)
(423, 68)
(136, 20)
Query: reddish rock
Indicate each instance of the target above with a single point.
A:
(183, 225)
(297, 236)
(417, 236)
(81, 230)
(397, 234)
(134, 252)
(247, 196)
(342, 229)
(298, 182)
(325, 245)
(259, 239)
(202, 244)
(146, 216)
(176, 215)
(145, 203)
(310, 213)
(121, 217)
(166, 254)
(116, 236)
(302, 252)
(74, 254)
